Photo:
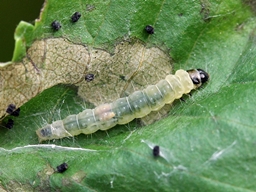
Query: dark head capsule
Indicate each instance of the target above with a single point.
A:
(63, 167)
(56, 25)
(203, 75)
(198, 77)
(149, 29)
(75, 17)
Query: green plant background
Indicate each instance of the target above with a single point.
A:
(11, 13)
(207, 143)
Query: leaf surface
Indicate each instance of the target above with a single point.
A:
(207, 143)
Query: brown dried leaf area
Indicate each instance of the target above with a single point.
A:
(49, 62)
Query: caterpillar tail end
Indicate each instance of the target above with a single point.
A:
(44, 133)
(52, 131)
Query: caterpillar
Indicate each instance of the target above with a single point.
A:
(124, 110)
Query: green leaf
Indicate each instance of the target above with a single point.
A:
(207, 143)
(22, 39)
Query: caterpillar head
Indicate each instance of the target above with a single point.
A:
(198, 77)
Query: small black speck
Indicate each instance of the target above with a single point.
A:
(181, 14)
(89, 77)
(149, 29)
(10, 108)
(63, 167)
(182, 99)
(156, 151)
(75, 17)
(16, 113)
(9, 124)
(56, 25)
(122, 77)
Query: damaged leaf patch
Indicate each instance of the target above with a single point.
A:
(58, 61)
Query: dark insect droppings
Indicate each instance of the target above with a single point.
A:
(156, 151)
(10, 108)
(89, 77)
(149, 29)
(16, 113)
(9, 124)
(63, 167)
(56, 25)
(75, 17)
(122, 77)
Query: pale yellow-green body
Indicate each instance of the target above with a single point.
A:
(121, 111)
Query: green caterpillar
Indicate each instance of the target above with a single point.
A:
(124, 110)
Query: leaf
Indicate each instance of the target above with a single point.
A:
(52, 61)
(206, 143)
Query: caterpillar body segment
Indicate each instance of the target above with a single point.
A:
(124, 110)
